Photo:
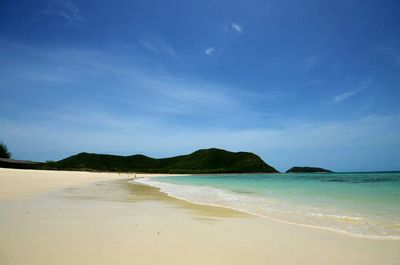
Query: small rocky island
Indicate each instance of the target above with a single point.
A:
(308, 170)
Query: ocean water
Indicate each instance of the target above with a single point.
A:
(360, 204)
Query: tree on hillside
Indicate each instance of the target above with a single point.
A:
(4, 153)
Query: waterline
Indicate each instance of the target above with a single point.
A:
(329, 216)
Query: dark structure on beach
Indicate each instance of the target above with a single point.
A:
(23, 164)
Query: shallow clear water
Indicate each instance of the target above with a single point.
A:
(362, 204)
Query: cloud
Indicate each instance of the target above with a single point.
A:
(236, 27)
(116, 106)
(343, 97)
(346, 95)
(65, 9)
(150, 46)
(121, 85)
(159, 46)
(209, 51)
(306, 143)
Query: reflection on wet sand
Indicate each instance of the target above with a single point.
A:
(129, 191)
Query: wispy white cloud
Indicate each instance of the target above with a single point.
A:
(133, 109)
(159, 46)
(106, 133)
(348, 94)
(343, 97)
(236, 27)
(161, 94)
(64, 9)
(209, 51)
(149, 46)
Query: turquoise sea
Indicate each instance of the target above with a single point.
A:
(360, 204)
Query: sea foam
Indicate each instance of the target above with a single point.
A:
(272, 208)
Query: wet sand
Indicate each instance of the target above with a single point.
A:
(109, 220)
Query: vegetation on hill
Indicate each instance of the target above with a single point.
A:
(4, 153)
(308, 170)
(202, 161)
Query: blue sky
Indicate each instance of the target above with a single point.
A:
(298, 82)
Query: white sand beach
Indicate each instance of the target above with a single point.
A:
(60, 217)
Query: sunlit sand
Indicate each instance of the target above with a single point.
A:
(50, 217)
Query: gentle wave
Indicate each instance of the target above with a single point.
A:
(270, 208)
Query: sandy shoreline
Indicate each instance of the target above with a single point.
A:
(18, 183)
(50, 217)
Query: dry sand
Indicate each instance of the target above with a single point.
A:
(21, 184)
(97, 218)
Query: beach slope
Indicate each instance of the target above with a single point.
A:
(99, 218)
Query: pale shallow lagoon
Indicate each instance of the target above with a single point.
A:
(360, 204)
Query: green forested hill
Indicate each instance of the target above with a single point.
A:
(202, 161)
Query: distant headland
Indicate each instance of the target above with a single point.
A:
(308, 170)
(203, 161)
